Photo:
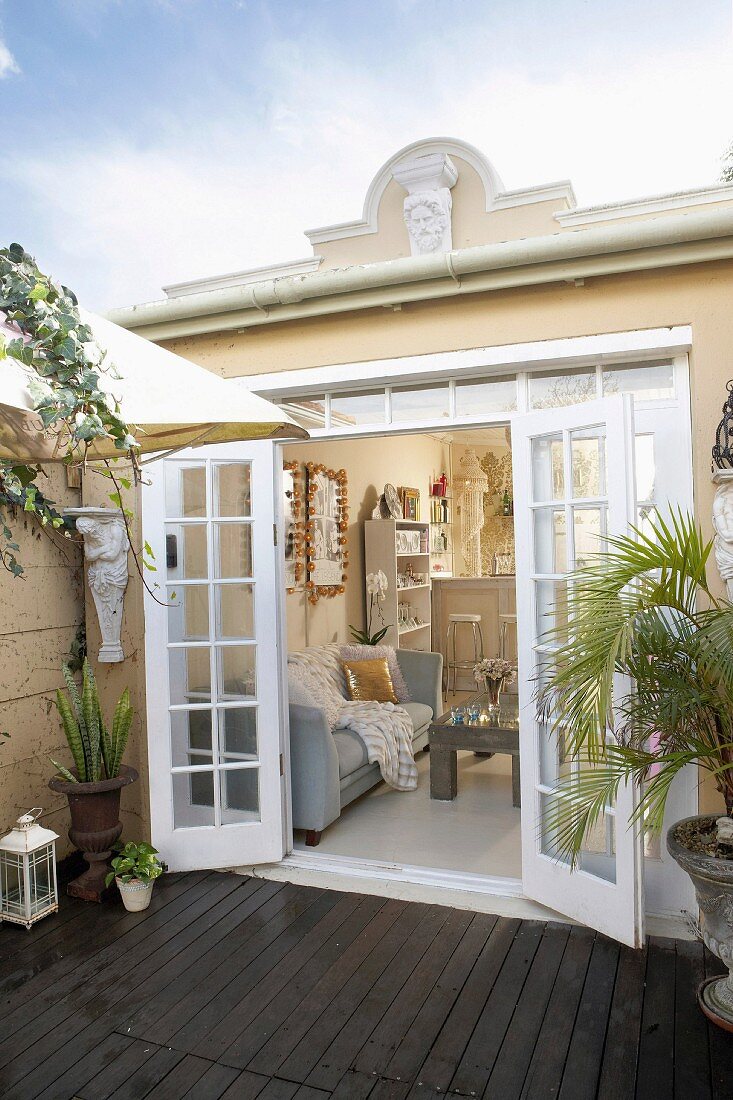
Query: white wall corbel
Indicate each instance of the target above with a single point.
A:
(723, 525)
(105, 549)
(428, 206)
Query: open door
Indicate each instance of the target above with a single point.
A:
(573, 482)
(213, 664)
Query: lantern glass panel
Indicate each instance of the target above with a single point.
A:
(41, 880)
(11, 884)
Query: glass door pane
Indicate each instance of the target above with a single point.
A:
(215, 775)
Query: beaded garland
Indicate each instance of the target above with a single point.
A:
(296, 512)
(315, 591)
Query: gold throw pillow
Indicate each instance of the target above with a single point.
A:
(370, 680)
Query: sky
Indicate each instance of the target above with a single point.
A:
(148, 142)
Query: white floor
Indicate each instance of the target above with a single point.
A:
(478, 832)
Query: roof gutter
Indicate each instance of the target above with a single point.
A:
(567, 256)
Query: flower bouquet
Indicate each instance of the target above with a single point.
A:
(494, 673)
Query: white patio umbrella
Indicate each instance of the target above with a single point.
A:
(168, 401)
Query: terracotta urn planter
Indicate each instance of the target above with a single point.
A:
(712, 877)
(95, 826)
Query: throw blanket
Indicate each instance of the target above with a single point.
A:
(385, 729)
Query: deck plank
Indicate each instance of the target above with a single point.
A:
(515, 1054)
(339, 1055)
(621, 1050)
(544, 1075)
(691, 1046)
(279, 1047)
(655, 1073)
(237, 987)
(258, 1030)
(409, 1056)
(583, 1064)
(386, 1037)
(438, 1068)
(478, 1059)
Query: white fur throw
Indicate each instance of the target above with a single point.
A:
(374, 652)
(306, 689)
(385, 729)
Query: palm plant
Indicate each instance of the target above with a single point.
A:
(93, 746)
(643, 609)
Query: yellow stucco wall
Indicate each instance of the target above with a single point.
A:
(39, 616)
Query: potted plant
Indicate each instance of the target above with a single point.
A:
(135, 870)
(643, 608)
(93, 785)
(376, 586)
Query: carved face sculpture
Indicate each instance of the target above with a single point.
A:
(426, 222)
(90, 529)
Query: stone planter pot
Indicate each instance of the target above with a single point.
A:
(136, 895)
(713, 882)
(95, 826)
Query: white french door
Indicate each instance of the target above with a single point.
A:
(213, 657)
(573, 484)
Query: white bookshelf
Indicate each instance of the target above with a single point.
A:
(380, 552)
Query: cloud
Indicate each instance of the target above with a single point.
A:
(8, 64)
(226, 189)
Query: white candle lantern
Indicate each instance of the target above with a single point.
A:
(28, 888)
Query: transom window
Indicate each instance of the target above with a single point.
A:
(479, 397)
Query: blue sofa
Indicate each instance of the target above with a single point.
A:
(330, 769)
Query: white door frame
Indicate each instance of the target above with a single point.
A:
(560, 354)
(667, 890)
(237, 820)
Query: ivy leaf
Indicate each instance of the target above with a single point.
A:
(39, 293)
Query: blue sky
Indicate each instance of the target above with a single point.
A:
(151, 141)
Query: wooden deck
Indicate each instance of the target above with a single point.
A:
(238, 988)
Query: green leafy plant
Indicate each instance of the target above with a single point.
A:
(65, 365)
(97, 750)
(135, 861)
(642, 609)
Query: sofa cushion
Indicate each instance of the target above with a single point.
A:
(420, 714)
(351, 751)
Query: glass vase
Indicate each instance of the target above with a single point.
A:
(493, 687)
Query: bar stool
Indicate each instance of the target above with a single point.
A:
(505, 621)
(478, 646)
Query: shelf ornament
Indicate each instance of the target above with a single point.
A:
(326, 526)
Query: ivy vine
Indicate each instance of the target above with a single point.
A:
(64, 365)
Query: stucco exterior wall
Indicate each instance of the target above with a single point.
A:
(39, 617)
(698, 295)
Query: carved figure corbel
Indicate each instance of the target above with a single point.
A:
(105, 550)
(723, 525)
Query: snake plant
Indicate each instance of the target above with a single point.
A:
(97, 750)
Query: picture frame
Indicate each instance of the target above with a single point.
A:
(326, 529)
(410, 499)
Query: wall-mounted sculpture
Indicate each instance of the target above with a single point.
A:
(105, 549)
(427, 208)
(723, 525)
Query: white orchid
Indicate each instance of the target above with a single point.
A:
(377, 584)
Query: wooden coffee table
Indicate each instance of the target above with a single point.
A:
(499, 734)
